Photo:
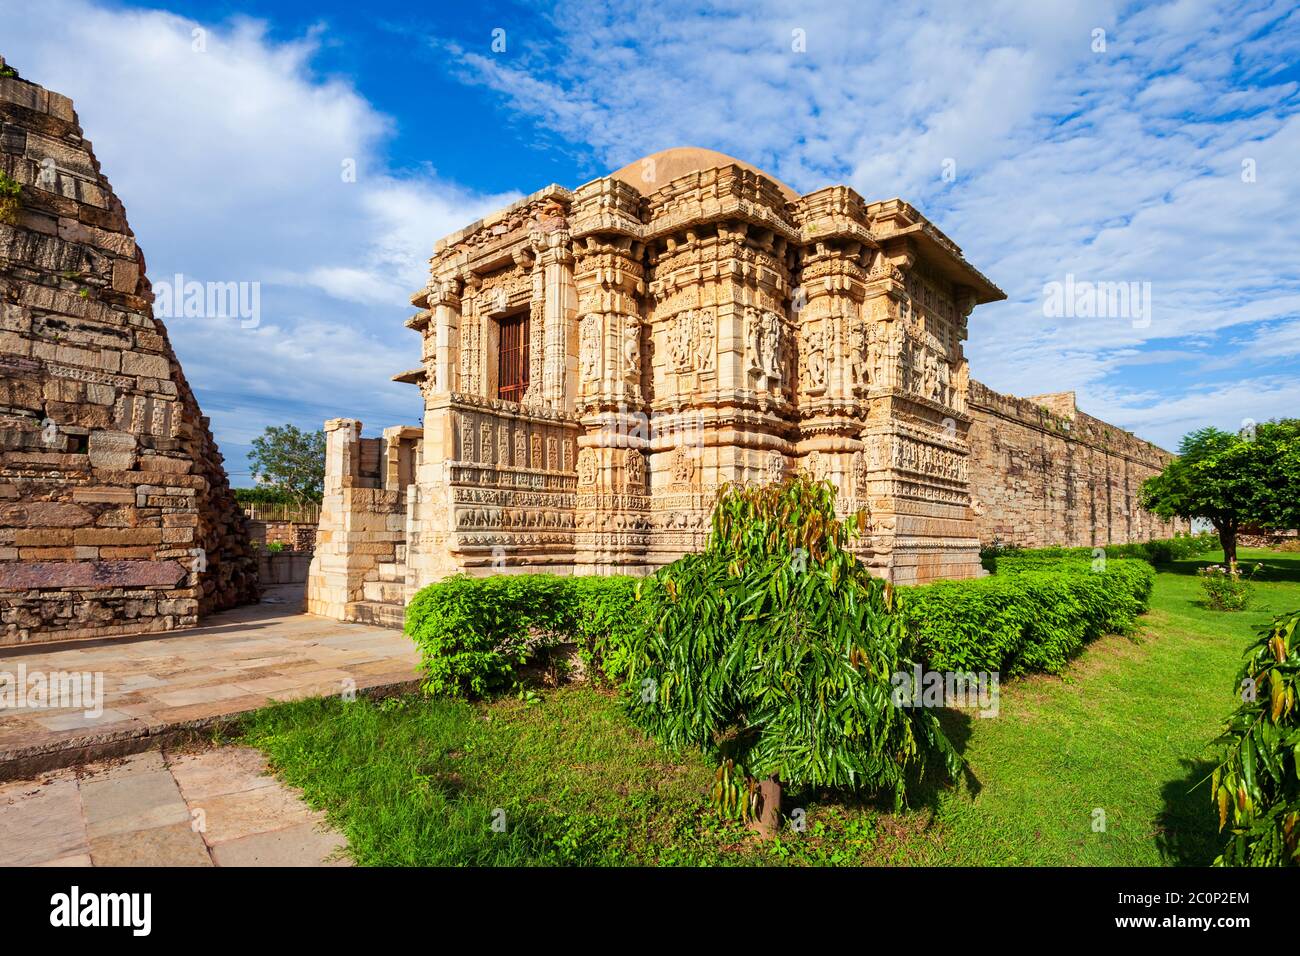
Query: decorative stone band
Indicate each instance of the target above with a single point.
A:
(42, 575)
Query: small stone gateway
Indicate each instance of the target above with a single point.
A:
(598, 362)
(116, 516)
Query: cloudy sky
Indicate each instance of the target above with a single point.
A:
(1156, 144)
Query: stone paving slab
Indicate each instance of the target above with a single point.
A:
(217, 807)
(156, 687)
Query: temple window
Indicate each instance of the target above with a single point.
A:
(512, 357)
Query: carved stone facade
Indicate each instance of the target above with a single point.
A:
(116, 516)
(692, 322)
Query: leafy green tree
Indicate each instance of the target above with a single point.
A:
(1248, 478)
(290, 460)
(775, 651)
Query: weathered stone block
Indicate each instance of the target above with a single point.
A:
(90, 574)
(114, 451)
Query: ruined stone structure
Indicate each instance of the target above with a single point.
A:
(116, 516)
(597, 363)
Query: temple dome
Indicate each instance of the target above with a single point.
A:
(681, 161)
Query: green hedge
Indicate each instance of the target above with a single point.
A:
(1032, 617)
(474, 632)
(1157, 552)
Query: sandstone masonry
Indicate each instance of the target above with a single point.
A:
(116, 515)
(1044, 473)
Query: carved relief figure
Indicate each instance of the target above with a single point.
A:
(775, 466)
(521, 449)
(814, 364)
(771, 354)
(763, 340)
(680, 466)
(634, 472)
(816, 465)
(859, 474)
(535, 443)
(589, 347)
(632, 349)
(860, 358)
(753, 342)
(704, 358)
(680, 334)
(907, 358)
(586, 467)
(466, 440)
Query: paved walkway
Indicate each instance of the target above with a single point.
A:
(212, 808)
(237, 661)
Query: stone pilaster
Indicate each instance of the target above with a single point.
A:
(551, 243)
(444, 301)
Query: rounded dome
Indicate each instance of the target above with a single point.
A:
(681, 161)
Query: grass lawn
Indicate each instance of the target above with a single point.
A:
(1125, 733)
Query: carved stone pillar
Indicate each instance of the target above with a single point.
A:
(550, 241)
(444, 302)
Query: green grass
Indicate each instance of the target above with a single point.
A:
(1127, 731)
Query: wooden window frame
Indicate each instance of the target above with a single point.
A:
(513, 333)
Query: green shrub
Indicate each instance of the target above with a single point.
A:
(1225, 587)
(1032, 616)
(1259, 777)
(264, 496)
(1157, 552)
(11, 192)
(610, 611)
(773, 651)
(474, 633)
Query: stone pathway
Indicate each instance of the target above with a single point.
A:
(216, 807)
(237, 661)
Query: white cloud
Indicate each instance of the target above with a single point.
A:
(231, 163)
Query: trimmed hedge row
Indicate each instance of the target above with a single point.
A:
(1156, 552)
(474, 632)
(1030, 618)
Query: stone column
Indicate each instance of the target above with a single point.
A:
(444, 300)
(328, 580)
(559, 316)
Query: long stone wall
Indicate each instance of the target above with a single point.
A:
(1044, 473)
(116, 515)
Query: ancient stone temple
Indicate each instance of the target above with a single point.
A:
(597, 363)
(116, 516)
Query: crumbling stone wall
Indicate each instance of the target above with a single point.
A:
(1044, 473)
(116, 515)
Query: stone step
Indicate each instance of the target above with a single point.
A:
(384, 592)
(392, 571)
(377, 614)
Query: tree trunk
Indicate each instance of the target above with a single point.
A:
(1228, 538)
(768, 821)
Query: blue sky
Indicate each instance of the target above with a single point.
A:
(1115, 156)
